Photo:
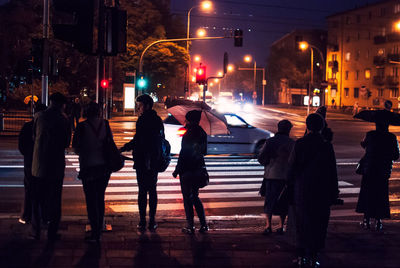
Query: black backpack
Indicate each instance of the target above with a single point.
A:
(164, 153)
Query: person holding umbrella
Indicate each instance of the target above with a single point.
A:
(381, 149)
(191, 159)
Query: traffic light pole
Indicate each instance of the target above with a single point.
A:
(263, 85)
(176, 40)
(45, 62)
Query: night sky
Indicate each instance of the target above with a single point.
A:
(262, 21)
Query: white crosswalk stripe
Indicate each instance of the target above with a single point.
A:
(234, 183)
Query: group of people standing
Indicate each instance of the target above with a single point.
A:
(300, 181)
(300, 177)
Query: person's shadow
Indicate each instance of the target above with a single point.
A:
(203, 252)
(151, 254)
(92, 256)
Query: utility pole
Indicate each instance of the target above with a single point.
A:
(45, 61)
(100, 56)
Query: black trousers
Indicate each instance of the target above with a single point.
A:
(95, 188)
(38, 191)
(53, 204)
(191, 198)
(147, 183)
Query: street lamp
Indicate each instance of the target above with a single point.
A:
(230, 68)
(304, 46)
(201, 32)
(197, 58)
(248, 58)
(204, 5)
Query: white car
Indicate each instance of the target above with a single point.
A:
(242, 138)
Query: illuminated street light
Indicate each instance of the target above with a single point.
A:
(204, 6)
(201, 32)
(230, 68)
(220, 73)
(247, 58)
(216, 80)
(397, 25)
(303, 45)
(197, 58)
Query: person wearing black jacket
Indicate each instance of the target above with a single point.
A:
(313, 188)
(145, 154)
(25, 146)
(191, 158)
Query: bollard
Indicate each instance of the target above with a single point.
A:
(1, 122)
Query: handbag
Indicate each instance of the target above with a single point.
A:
(360, 166)
(198, 177)
(114, 160)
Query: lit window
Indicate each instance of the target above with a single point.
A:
(347, 56)
(367, 73)
(396, 8)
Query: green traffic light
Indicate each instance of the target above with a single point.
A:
(142, 83)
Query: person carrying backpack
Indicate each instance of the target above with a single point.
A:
(146, 152)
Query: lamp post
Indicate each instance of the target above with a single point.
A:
(248, 58)
(205, 5)
(304, 46)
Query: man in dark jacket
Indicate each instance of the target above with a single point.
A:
(25, 146)
(145, 152)
(313, 187)
(52, 134)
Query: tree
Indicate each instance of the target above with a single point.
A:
(164, 63)
(288, 65)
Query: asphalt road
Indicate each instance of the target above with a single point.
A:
(234, 182)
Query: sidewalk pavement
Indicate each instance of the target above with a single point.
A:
(231, 242)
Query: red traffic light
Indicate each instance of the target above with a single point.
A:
(201, 77)
(104, 83)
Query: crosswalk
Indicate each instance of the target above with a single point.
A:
(234, 184)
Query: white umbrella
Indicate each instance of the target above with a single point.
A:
(211, 122)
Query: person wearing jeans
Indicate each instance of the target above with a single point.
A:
(191, 159)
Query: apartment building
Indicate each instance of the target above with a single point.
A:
(363, 55)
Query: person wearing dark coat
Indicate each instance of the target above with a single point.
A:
(145, 152)
(381, 149)
(313, 188)
(274, 156)
(25, 146)
(89, 141)
(52, 134)
(191, 159)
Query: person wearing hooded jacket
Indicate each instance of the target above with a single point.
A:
(145, 152)
(191, 158)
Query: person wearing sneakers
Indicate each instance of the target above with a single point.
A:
(145, 155)
(274, 156)
(191, 159)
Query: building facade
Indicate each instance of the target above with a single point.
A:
(363, 56)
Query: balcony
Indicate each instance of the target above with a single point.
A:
(379, 60)
(379, 80)
(334, 65)
(379, 39)
(392, 80)
(393, 57)
(332, 81)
